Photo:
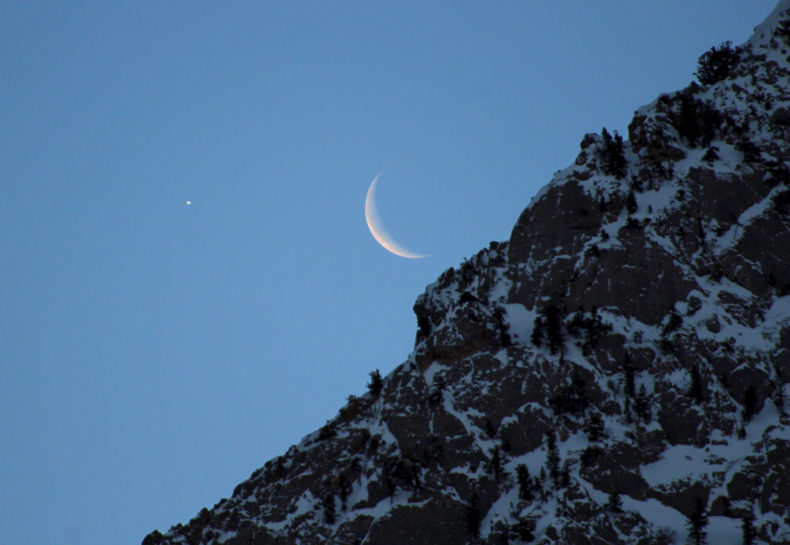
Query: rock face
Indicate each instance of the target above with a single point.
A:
(620, 364)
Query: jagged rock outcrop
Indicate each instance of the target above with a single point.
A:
(619, 363)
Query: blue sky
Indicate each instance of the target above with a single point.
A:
(153, 354)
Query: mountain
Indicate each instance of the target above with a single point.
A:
(616, 372)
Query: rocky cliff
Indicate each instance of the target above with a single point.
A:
(614, 373)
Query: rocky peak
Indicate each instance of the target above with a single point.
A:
(616, 372)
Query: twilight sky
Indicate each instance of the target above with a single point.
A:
(154, 354)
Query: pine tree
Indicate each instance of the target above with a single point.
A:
(435, 395)
(595, 326)
(779, 398)
(416, 482)
(553, 458)
(696, 391)
(612, 155)
(553, 327)
(711, 155)
(344, 490)
(779, 383)
(615, 504)
(376, 383)
(490, 429)
(389, 482)
(328, 505)
(630, 203)
(537, 331)
(473, 516)
(524, 530)
(578, 392)
(594, 427)
(698, 121)
(747, 529)
(642, 405)
(524, 482)
(496, 463)
(629, 373)
(749, 403)
(715, 64)
(565, 474)
(696, 524)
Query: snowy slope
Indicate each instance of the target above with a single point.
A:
(620, 364)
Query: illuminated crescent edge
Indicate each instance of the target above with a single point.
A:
(377, 228)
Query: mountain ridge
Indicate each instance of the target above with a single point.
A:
(615, 372)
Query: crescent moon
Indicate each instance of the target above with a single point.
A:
(377, 228)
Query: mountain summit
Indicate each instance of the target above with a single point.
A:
(616, 372)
